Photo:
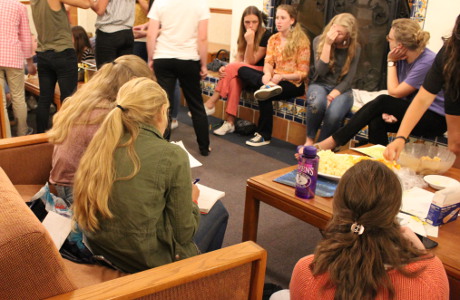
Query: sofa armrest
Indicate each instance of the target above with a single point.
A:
(236, 271)
(26, 159)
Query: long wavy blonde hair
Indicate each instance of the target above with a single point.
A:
(250, 10)
(99, 92)
(351, 25)
(296, 37)
(141, 100)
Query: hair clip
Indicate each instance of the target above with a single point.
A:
(121, 107)
(356, 228)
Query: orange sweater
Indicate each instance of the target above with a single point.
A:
(431, 284)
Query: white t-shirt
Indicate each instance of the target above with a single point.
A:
(179, 27)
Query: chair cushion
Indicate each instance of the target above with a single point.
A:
(85, 275)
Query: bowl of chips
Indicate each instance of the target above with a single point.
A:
(426, 159)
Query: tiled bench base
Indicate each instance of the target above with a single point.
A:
(289, 117)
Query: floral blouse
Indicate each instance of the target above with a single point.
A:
(299, 63)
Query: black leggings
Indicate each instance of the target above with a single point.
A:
(253, 79)
(430, 125)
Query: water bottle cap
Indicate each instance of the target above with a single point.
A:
(309, 151)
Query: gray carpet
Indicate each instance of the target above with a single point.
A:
(227, 168)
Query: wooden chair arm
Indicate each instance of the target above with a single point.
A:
(23, 140)
(179, 273)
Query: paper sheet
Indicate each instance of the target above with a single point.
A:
(431, 230)
(417, 201)
(412, 222)
(193, 161)
(58, 227)
(208, 197)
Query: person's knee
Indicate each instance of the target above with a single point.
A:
(316, 102)
(243, 71)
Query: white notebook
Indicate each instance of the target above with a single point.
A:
(193, 161)
(208, 197)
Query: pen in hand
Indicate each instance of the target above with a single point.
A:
(196, 181)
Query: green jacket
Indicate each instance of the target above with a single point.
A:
(154, 218)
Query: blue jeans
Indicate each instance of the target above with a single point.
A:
(317, 111)
(211, 231)
(66, 193)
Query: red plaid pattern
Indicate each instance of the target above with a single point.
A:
(15, 38)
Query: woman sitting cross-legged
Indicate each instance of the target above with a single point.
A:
(252, 45)
(285, 69)
(133, 194)
(329, 96)
(408, 63)
(365, 253)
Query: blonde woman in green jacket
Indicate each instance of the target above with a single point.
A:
(133, 194)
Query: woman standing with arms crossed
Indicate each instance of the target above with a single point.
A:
(252, 46)
(444, 74)
(285, 69)
(56, 57)
(329, 96)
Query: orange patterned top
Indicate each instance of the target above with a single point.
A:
(299, 63)
(431, 283)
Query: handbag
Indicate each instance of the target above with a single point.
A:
(245, 127)
(217, 63)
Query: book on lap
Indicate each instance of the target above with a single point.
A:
(208, 197)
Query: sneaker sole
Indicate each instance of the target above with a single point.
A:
(257, 144)
(222, 134)
(265, 94)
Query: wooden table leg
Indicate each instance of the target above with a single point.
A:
(251, 216)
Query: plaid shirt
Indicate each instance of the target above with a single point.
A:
(15, 37)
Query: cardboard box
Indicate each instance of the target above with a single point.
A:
(445, 206)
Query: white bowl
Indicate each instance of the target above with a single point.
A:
(439, 182)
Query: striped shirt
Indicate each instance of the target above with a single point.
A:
(15, 38)
(119, 15)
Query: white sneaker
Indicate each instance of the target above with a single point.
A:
(266, 92)
(174, 124)
(257, 141)
(209, 111)
(225, 128)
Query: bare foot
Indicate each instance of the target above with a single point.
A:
(328, 143)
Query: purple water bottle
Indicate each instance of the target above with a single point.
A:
(307, 173)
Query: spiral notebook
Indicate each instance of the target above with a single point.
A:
(324, 187)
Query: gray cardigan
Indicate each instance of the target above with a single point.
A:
(322, 74)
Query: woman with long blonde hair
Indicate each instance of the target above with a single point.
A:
(134, 197)
(81, 115)
(285, 69)
(252, 46)
(408, 63)
(329, 96)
